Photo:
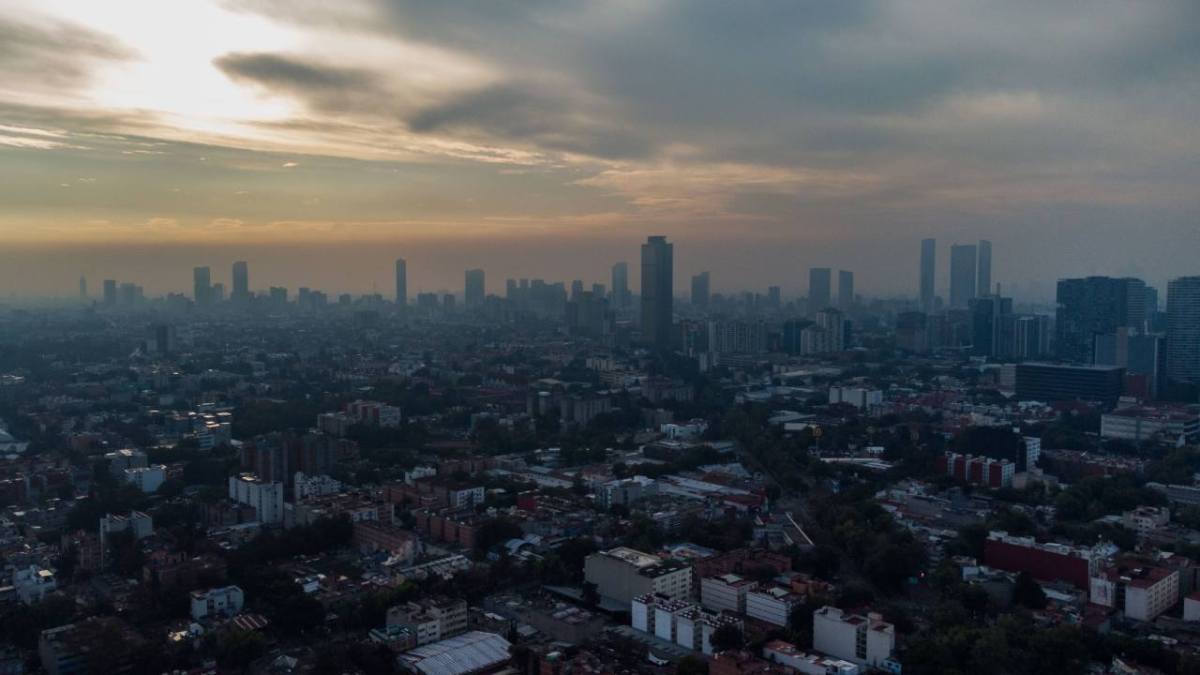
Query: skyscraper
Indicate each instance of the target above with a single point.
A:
(401, 282)
(1183, 330)
(620, 285)
(962, 275)
(83, 288)
(241, 281)
(700, 290)
(845, 290)
(928, 265)
(475, 289)
(984, 286)
(1095, 306)
(658, 292)
(774, 297)
(110, 292)
(819, 292)
(202, 286)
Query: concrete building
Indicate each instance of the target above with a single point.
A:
(1146, 520)
(678, 621)
(621, 574)
(978, 470)
(1191, 607)
(126, 458)
(625, 491)
(859, 397)
(962, 276)
(217, 602)
(265, 497)
(430, 619)
(475, 289)
(787, 654)
(401, 282)
(147, 478)
(701, 290)
(928, 274)
(773, 605)
(1050, 382)
(1043, 561)
(658, 292)
(33, 583)
(1141, 593)
(820, 292)
(1138, 424)
(1183, 330)
(864, 640)
(726, 592)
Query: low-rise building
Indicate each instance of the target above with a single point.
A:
(1140, 593)
(430, 620)
(773, 605)
(33, 583)
(266, 497)
(147, 478)
(726, 592)
(217, 602)
(787, 654)
(621, 574)
(864, 640)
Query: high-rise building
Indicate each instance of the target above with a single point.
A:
(774, 297)
(620, 285)
(962, 275)
(83, 288)
(845, 290)
(241, 281)
(700, 290)
(1095, 306)
(819, 292)
(1183, 330)
(984, 286)
(576, 289)
(401, 282)
(475, 289)
(202, 286)
(988, 324)
(928, 266)
(658, 292)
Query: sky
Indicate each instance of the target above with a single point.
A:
(320, 140)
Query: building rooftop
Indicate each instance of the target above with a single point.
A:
(466, 653)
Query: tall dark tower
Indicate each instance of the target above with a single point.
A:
(820, 294)
(658, 292)
(928, 273)
(401, 282)
(241, 282)
(984, 286)
(474, 289)
(962, 275)
(202, 286)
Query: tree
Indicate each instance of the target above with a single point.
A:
(591, 594)
(1027, 592)
(691, 665)
(726, 638)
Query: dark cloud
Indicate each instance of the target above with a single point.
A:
(275, 70)
(53, 53)
(525, 113)
(324, 87)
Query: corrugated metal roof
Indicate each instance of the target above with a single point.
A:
(466, 653)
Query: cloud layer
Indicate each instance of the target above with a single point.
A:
(835, 125)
